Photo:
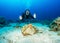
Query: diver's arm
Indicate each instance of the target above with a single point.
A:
(31, 16)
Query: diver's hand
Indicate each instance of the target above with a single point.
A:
(20, 17)
(34, 15)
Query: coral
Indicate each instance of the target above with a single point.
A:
(55, 25)
(29, 30)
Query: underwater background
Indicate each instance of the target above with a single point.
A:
(45, 9)
(29, 21)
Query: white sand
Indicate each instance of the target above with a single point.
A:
(14, 35)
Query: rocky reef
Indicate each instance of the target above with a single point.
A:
(55, 25)
(2, 21)
(29, 30)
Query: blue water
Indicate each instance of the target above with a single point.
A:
(45, 9)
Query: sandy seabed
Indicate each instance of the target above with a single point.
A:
(14, 35)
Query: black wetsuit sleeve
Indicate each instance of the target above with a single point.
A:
(31, 16)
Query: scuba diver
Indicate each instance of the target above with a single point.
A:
(27, 15)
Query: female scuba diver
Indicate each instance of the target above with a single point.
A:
(27, 15)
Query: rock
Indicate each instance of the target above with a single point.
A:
(3, 37)
(29, 30)
(17, 26)
(10, 41)
(40, 31)
(55, 25)
(10, 21)
(58, 33)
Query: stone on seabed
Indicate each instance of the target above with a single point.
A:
(28, 30)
